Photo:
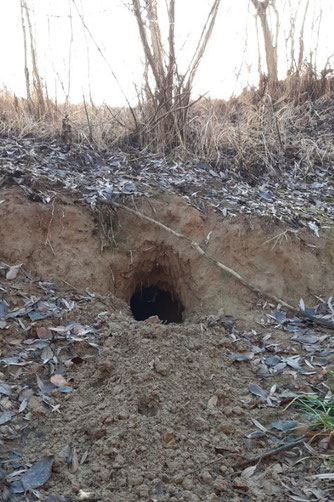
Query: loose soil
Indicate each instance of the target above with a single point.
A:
(158, 412)
(113, 251)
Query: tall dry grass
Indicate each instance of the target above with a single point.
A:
(288, 127)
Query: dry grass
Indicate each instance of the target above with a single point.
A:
(101, 126)
(292, 126)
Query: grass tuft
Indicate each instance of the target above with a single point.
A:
(318, 411)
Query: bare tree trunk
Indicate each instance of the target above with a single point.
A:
(270, 38)
(69, 56)
(301, 38)
(36, 77)
(26, 69)
(170, 97)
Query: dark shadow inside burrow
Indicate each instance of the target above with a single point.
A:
(151, 301)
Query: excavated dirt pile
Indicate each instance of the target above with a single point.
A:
(139, 370)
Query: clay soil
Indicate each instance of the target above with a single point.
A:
(157, 412)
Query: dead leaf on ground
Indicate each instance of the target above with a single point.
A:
(248, 472)
(13, 271)
(257, 391)
(73, 467)
(38, 474)
(5, 417)
(212, 403)
(44, 333)
(59, 380)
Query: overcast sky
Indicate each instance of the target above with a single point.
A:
(232, 47)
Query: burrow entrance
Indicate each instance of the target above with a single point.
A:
(153, 301)
(157, 282)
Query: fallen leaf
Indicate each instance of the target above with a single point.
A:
(212, 403)
(73, 467)
(325, 475)
(5, 417)
(65, 388)
(257, 391)
(47, 354)
(248, 472)
(58, 380)
(259, 425)
(272, 360)
(84, 457)
(285, 425)
(247, 356)
(13, 271)
(57, 498)
(5, 389)
(23, 405)
(44, 333)
(38, 474)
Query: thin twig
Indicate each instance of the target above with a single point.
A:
(48, 234)
(270, 453)
(225, 268)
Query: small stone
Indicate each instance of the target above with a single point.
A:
(188, 464)
(277, 469)
(168, 436)
(226, 428)
(161, 368)
(213, 498)
(224, 469)
(188, 484)
(154, 319)
(135, 479)
(194, 498)
(191, 497)
(241, 346)
(119, 461)
(238, 410)
(123, 415)
(178, 479)
(105, 474)
(36, 406)
(75, 485)
(173, 465)
(106, 366)
(240, 483)
(143, 492)
(228, 411)
(220, 484)
(199, 424)
(206, 477)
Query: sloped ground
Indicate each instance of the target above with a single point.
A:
(109, 250)
(145, 411)
(126, 410)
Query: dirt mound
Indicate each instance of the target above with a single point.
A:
(150, 415)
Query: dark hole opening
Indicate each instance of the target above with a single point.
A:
(150, 301)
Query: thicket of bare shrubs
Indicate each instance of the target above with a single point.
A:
(292, 126)
(279, 125)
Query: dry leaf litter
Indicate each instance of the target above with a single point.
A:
(97, 406)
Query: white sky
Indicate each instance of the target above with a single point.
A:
(232, 46)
